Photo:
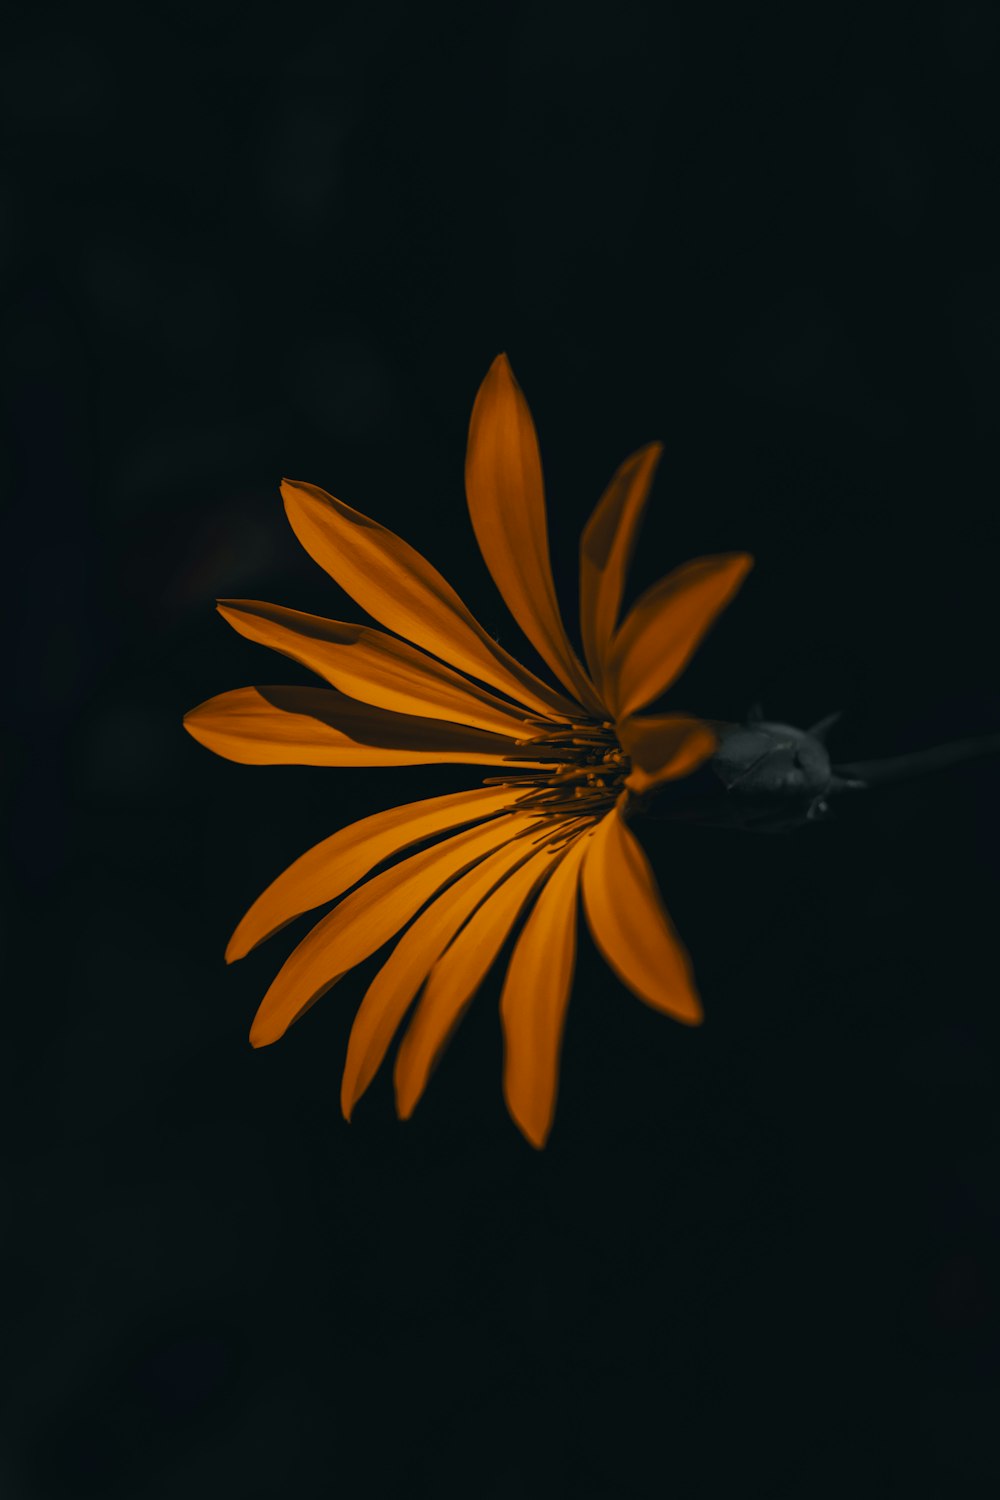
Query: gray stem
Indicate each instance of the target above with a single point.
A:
(917, 762)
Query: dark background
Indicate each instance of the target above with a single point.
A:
(755, 1259)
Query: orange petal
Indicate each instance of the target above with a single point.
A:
(665, 626)
(503, 482)
(373, 667)
(630, 925)
(664, 748)
(606, 550)
(391, 992)
(534, 999)
(320, 727)
(363, 921)
(457, 975)
(333, 866)
(401, 590)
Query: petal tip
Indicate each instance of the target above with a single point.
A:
(235, 950)
(535, 1130)
(405, 1099)
(535, 1137)
(229, 610)
(500, 371)
(264, 1031)
(293, 492)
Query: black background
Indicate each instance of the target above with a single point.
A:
(755, 1259)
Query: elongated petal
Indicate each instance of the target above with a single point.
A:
(535, 996)
(391, 992)
(320, 727)
(401, 590)
(328, 869)
(503, 482)
(363, 921)
(665, 626)
(630, 924)
(664, 747)
(373, 667)
(605, 552)
(457, 975)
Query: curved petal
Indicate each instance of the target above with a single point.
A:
(503, 482)
(401, 590)
(363, 921)
(664, 748)
(274, 726)
(630, 925)
(391, 992)
(457, 975)
(664, 628)
(330, 868)
(606, 548)
(535, 996)
(373, 667)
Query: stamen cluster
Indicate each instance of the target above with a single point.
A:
(587, 773)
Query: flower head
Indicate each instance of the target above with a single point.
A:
(547, 825)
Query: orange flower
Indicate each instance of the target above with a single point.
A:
(547, 825)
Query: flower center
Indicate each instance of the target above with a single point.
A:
(587, 772)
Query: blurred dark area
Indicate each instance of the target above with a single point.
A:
(756, 1259)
